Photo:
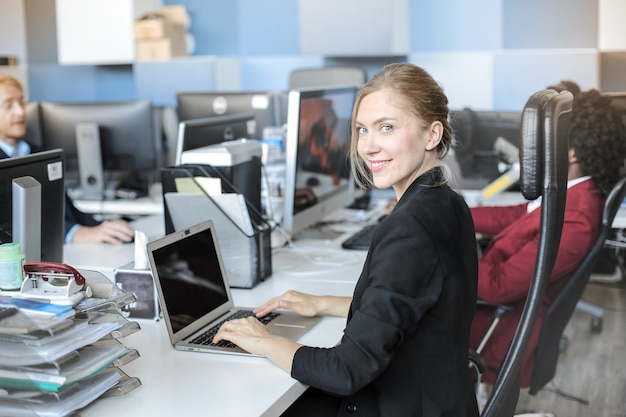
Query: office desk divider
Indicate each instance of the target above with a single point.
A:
(244, 235)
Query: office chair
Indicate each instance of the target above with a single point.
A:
(326, 77)
(34, 133)
(543, 157)
(563, 306)
(561, 309)
(615, 243)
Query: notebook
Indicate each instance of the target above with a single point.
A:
(194, 294)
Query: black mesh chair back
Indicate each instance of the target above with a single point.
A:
(543, 159)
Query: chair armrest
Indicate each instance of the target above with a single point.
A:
(477, 361)
(499, 312)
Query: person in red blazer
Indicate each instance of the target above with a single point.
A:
(597, 150)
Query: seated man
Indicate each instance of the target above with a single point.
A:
(79, 227)
(597, 150)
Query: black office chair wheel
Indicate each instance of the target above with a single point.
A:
(596, 324)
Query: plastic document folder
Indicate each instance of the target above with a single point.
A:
(235, 233)
(42, 404)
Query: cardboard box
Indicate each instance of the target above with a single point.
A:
(158, 49)
(157, 27)
(176, 13)
(8, 60)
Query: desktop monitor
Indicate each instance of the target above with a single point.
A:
(475, 136)
(129, 137)
(317, 176)
(267, 107)
(47, 169)
(207, 131)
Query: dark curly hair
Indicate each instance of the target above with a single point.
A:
(598, 136)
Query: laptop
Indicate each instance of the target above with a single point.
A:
(195, 296)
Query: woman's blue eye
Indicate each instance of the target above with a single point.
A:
(385, 128)
(361, 130)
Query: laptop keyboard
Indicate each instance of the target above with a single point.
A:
(206, 338)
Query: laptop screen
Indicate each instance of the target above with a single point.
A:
(192, 284)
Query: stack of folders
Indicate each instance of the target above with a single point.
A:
(55, 360)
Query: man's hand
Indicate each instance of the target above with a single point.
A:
(115, 232)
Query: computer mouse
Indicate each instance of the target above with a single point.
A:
(312, 181)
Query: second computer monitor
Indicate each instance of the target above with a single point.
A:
(129, 135)
(476, 133)
(207, 131)
(317, 179)
(267, 107)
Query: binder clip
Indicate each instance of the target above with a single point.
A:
(53, 282)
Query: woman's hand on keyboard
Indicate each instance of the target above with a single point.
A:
(252, 336)
(306, 304)
(246, 333)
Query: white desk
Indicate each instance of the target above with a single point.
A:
(184, 383)
(189, 383)
(142, 206)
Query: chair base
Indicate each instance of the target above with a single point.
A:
(596, 312)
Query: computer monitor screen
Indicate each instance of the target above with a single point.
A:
(47, 169)
(317, 177)
(130, 141)
(266, 106)
(197, 133)
(475, 135)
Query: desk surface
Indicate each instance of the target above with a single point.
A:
(185, 383)
(182, 383)
(142, 206)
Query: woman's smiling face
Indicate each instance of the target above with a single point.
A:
(393, 142)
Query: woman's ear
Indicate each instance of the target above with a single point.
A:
(435, 133)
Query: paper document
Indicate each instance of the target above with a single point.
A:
(210, 185)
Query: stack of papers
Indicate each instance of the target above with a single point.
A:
(55, 360)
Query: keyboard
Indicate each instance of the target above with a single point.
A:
(206, 337)
(360, 240)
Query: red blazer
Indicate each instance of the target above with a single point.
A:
(506, 268)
